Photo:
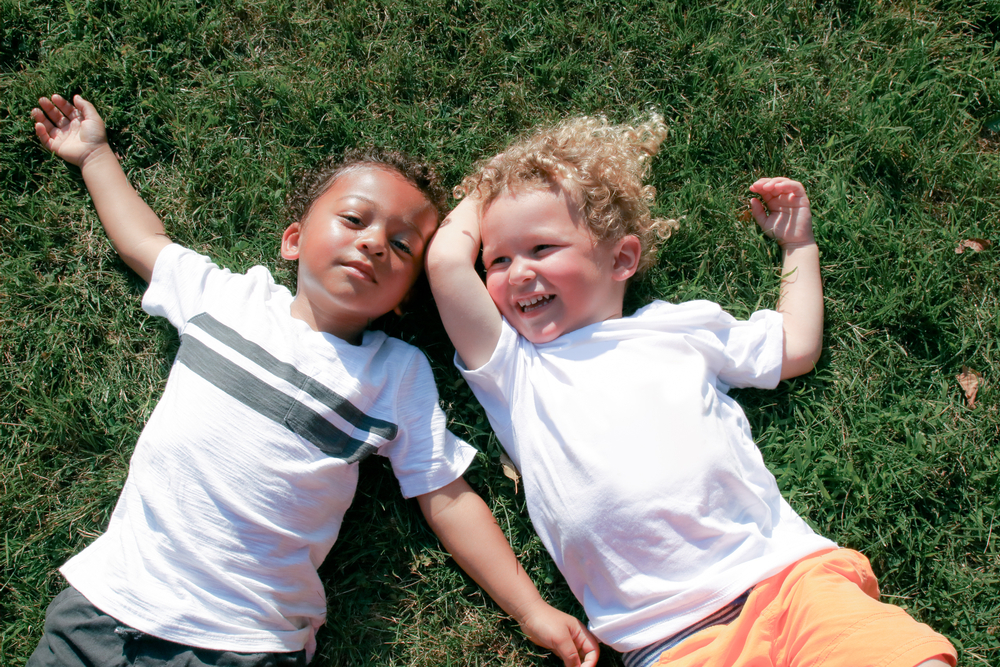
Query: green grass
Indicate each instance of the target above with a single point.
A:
(880, 108)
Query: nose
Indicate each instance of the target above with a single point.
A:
(372, 240)
(521, 271)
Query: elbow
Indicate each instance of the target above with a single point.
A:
(440, 258)
(800, 362)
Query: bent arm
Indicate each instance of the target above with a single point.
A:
(788, 220)
(467, 529)
(467, 311)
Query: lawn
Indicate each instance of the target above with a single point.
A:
(889, 112)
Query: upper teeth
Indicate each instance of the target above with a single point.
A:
(532, 301)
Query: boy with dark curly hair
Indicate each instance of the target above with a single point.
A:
(240, 479)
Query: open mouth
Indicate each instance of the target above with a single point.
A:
(535, 302)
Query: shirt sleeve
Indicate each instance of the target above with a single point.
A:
(185, 284)
(492, 382)
(180, 280)
(752, 350)
(425, 455)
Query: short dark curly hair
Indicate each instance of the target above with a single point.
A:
(310, 185)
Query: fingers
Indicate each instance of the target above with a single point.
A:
(757, 211)
(42, 132)
(67, 110)
(779, 185)
(587, 645)
(43, 123)
(577, 647)
(51, 112)
(781, 193)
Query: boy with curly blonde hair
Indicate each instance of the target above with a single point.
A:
(640, 473)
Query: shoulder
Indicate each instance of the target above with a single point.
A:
(177, 261)
(391, 362)
(687, 310)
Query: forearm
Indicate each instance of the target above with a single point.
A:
(801, 304)
(135, 231)
(467, 311)
(467, 529)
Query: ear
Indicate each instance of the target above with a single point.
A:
(626, 255)
(290, 241)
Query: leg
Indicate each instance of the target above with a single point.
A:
(821, 611)
(834, 619)
(77, 634)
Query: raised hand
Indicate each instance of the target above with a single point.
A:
(561, 633)
(74, 132)
(787, 218)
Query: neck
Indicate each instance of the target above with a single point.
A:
(348, 328)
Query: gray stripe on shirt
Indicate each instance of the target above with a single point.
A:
(270, 402)
(233, 340)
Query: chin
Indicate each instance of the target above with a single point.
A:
(539, 337)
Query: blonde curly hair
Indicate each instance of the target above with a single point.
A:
(599, 164)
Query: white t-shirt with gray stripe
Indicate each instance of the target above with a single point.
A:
(240, 479)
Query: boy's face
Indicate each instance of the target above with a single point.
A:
(544, 270)
(360, 248)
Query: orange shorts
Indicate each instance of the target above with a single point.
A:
(822, 610)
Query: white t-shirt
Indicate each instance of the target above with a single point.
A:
(240, 479)
(640, 473)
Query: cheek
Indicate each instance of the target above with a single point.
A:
(495, 285)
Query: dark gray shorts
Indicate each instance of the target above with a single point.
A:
(78, 633)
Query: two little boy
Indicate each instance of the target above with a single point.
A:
(640, 473)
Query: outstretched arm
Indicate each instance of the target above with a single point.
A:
(467, 311)
(788, 220)
(75, 132)
(469, 532)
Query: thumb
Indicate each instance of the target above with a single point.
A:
(88, 110)
(758, 212)
(578, 648)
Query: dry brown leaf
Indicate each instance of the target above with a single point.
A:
(969, 379)
(975, 245)
(509, 469)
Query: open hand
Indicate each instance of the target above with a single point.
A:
(787, 219)
(74, 132)
(561, 633)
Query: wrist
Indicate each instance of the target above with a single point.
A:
(527, 609)
(791, 246)
(100, 155)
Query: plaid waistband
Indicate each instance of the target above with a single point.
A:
(647, 655)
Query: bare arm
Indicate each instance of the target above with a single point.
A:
(75, 132)
(788, 220)
(469, 315)
(469, 532)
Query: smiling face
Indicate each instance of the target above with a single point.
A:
(360, 248)
(545, 271)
